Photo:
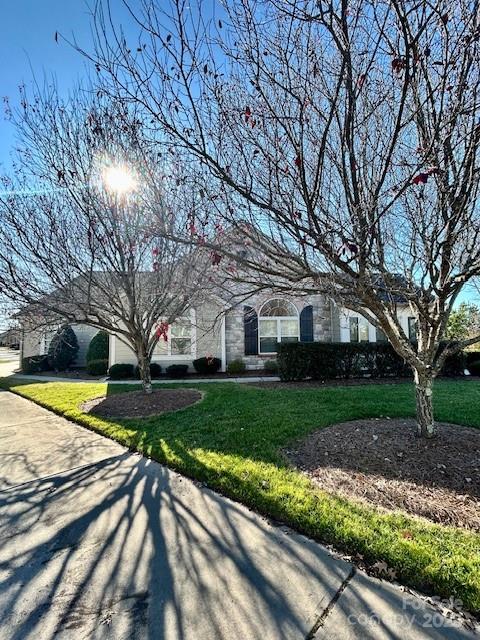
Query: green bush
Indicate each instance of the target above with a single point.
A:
(97, 367)
(474, 368)
(330, 360)
(471, 356)
(98, 347)
(236, 366)
(63, 349)
(34, 364)
(271, 366)
(121, 371)
(207, 365)
(155, 370)
(177, 370)
(455, 364)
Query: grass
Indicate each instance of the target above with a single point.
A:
(231, 441)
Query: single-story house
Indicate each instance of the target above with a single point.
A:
(249, 331)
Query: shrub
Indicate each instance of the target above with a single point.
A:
(34, 364)
(63, 349)
(121, 371)
(474, 368)
(236, 366)
(271, 366)
(471, 356)
(155, 370)
(177, 370)
(207, 365)
(329, 360)
(97, 367)
(455, 364)
(98, 348)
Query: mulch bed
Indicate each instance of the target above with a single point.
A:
(138, 404)
(384, 463)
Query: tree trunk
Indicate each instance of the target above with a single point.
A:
(144, 370)
(423, 395)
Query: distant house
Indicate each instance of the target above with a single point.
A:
(11, 338)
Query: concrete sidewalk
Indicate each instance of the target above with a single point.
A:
(97, 542)
(187, 380)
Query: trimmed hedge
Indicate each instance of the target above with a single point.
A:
(177, 370)
(236, 366)
(121, 371)
(98, 347)
(155, 370)
(474, 367)
(207, 365)
(35, 364)
(63, 348)
(472, 356)
(97, 367)
(271, 366)
(330, 360)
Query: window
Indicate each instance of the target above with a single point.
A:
(381, 337)
(358, 329)
(180, 339)
(412, 329)
(353, 329)
(278, 322)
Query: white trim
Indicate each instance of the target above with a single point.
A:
(344, 320)
(223, 341)
(111, 349)
(187, 357)
(278, 321)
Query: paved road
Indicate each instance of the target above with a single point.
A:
(96, 542)
(9, 361)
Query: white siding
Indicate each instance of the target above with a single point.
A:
(36, 340)
(403, 314)
(206, 340)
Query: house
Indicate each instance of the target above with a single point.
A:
(250, 330)
(36, 338)
(10, 338)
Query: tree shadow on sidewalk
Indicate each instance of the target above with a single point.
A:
(123, 548)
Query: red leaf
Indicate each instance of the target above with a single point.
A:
(398, 65)
(298, 161)
(215, 258)
(162, 331)
(361, 80)
(421, 178)
(248, 113)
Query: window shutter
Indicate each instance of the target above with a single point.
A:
(250, 326)
(306, 324)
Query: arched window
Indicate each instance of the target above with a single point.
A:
(278, 322)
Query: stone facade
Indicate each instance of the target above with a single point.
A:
(234, 326)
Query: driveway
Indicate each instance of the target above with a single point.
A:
(97, 542)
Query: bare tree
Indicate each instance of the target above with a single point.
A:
(345, 133)
(85, 223)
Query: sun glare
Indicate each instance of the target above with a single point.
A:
(119, 179)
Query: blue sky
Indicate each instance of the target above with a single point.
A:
(28, 48)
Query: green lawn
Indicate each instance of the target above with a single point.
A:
(231, 441)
